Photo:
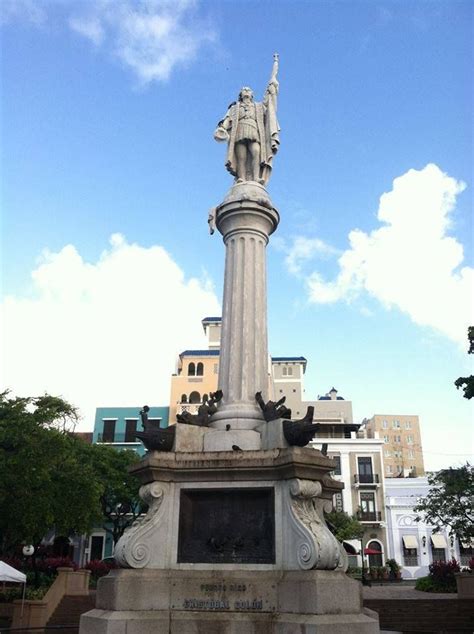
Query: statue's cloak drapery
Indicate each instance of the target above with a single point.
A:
(267, 126)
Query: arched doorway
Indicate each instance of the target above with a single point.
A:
(375, 554)
(194, 397)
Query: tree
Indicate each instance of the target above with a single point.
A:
(449, 502)
(343, 526)
(120, 503)
(467, 382)
(47, 478)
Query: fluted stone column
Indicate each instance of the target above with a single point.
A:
(245, 219)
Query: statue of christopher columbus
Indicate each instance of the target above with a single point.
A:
(252, 132)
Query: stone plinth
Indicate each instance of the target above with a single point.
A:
(228, 602)
(232, 542)
(245, 219)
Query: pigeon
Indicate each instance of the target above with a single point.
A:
(236, 448)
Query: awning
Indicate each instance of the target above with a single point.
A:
(409, 541)
(350, 548)
(372, 551)
(438, 540)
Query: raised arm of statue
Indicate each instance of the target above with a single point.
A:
(273, 85)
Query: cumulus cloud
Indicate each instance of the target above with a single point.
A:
(410, 262)
(106, 332)
(23, 10)
(301, 250)
(151, 37)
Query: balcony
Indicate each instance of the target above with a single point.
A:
(366, 479)
(117, 438)
(369, 516)
(192, 408)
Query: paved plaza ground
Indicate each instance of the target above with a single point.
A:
(399, 591)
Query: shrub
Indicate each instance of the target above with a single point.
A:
(50, 565)
(100, 568)
(442, 573)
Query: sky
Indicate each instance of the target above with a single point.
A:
(109, 169)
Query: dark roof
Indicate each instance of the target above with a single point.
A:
(286, 359)
(209, 320)
(199, 353)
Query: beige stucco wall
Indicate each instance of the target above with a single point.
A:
(404, 455)
(184, 384)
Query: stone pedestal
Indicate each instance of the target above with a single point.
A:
(232, 542)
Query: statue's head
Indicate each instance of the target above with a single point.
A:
(245, 92)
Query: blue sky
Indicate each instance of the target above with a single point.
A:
(108, 111)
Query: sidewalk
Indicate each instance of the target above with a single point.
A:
(403, 592)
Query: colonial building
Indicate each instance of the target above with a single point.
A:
(359, 464)
(403, 452)
(414, 544)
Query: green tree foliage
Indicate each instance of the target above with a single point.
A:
(343, 526)
(50, 479)
(467, 382)
(46, 477)
(450, 501)
(119, 501)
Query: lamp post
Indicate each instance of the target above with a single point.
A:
(29, 551)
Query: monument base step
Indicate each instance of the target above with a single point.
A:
(180, 622)
(228, 602)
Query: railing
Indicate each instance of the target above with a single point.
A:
(410, 560)
(118, 438)
(192, 408)
(366, 478)
(369, 516)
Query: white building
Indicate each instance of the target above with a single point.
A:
(413, 544)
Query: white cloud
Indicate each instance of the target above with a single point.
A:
(151, 37)
(104, 333)
(24, 10)
(409, 262)
(89, 27)
(302, 250)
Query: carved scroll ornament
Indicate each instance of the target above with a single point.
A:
(134, 549)
(316, 546)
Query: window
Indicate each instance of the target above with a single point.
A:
(466, 554)
(199, 369)
(194, 397)
(108, 434)
(374, 550)
(184, 398)
(216, 368)
(367, 507)
(384, 424)
(410, 556)
(337, 459)
(408, 424)
(130, 430)
(411, 453)
(396, 424)
(364, 467)
(386, 439)
(397, 439)
(96, 547)
(439, 554)
(387, 453)
(389, 469)
(337, 502)
(287, 370)
(410, 440)
(191, 369)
